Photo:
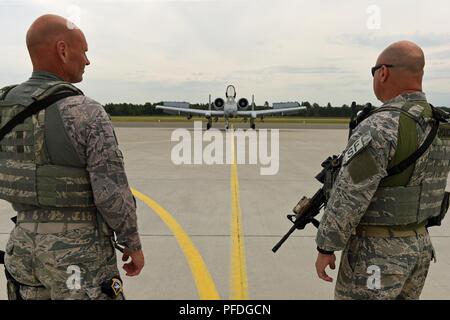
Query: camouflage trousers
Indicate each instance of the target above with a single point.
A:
(384, 268)
(72, 264)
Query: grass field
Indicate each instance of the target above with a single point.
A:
(302, 120)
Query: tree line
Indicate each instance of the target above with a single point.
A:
(312, 110)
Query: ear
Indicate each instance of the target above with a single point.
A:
(61, 50)
(384, 74)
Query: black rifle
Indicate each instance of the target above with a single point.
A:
(307, 208)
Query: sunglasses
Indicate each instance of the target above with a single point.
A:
(378, 66)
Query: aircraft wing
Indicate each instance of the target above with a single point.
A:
(206, 113)
(258, 113)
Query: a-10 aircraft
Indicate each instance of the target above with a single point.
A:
(229, 109)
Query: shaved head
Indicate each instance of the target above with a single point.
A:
(399, 69)
(47, 30)
(57, 45)
(406, 55)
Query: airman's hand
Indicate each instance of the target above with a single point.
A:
(134, 267)
(324, 260)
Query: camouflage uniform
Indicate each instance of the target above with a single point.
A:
(47, 246)
(402, 256)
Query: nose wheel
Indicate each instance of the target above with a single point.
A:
(227, 124)
(209, 124)
(252, 124)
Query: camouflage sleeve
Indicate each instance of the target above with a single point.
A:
(112, 194)
(365, 160)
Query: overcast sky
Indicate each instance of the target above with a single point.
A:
(280, 50)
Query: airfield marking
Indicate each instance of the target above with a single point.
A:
(239, 283)
(203, 281)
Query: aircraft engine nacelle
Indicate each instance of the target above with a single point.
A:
(243, 104)
(218, 104)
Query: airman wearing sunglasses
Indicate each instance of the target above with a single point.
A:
(391, 185)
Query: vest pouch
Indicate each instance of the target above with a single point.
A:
(17, 158)
(431, 199)
(18, 181)
(437, 221)
(62, 186)
(392, 206)
(439, 158)
(435, 180)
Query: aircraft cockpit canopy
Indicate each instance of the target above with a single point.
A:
(231, 92)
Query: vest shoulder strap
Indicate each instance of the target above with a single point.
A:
(4, 91)
(49, 88)
(34, 108)
(44, 96)
(404, 110)
(411, 159)
(421, 149)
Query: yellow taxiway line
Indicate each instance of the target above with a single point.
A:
(239, 283)
(205, 285)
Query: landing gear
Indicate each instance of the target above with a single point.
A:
(209, 124)
(252, 123)
(227, 124)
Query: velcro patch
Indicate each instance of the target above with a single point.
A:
(356, 148)
(362, 167)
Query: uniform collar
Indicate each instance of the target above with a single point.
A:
(44, 75)
(415, 96)
(410, 96)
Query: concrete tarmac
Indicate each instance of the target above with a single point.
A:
(212, 233)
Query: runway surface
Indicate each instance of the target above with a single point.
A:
(208, 229)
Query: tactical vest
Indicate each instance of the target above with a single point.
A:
(416, 196)
(27, 174)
